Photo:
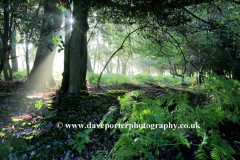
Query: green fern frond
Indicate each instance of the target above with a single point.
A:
(201, 154)
(219, 153)
(225, 147)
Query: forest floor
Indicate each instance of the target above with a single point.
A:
(28, 120)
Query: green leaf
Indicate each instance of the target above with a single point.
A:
(40, 102)
(55, 38)
(10, 149)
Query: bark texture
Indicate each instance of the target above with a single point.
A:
(78, 55)
(13, 51)
(66, 72)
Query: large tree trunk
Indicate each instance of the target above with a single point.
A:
(43, 64)
(5, 73)
(5, 48)
(66, 72)
(78, 56)
(7, 67)
(13, 51)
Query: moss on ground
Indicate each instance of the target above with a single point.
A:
(117, 92)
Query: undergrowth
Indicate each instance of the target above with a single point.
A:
(201, 122)
(154, 129)
(111, 78)
(19, 76)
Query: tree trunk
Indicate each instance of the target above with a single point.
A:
(66, 71)
(110, 63)
(94, 62)
(200, 78)
(219, 72)
(148, 70)
(26, 55)
(129, 70)
(172, 69)
(124, 68)
(118, 65)
(111, 66)
(13, 50)
(236, 74)
(89, 66)
(10, 71)
(5, 48)
(106, 59)
(7, 75)
(172, 72)
(43, 64)
(132, 71)
(78, 56)
(98, 53)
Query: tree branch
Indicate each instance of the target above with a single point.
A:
(9, 58)
(196, 16)
(95, 27)
(235, 1)
(121, 47)
(181, 52)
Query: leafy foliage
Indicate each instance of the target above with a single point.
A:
(19, 76)
(225, 92)
(39, 104)
(108, 78)
(79, 145)
(149, 138)
(140, 79)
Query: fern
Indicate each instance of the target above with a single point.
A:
(141, 140)
(79, 144)
(223, 91)
(221, 147)
(108, 117)
(201, 154)
(219, 153)
(102, 155)
(149, 111)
